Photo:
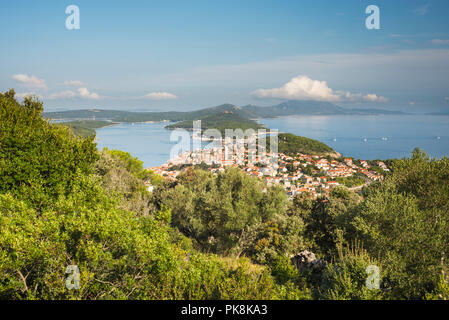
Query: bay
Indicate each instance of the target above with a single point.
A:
(359, 136)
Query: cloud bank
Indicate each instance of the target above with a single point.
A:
(83, 93)
(30, 81)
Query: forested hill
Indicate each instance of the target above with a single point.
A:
(85, 128)
(220, 121)
(291, 144)
(249, 112)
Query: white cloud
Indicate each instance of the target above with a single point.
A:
(84, 93)
(300, 88)
(30, 81)
(160, 96)
(304, 88)
(62, 95)
(412, 103)
(439, 41)
(73, 83)
(374, 98)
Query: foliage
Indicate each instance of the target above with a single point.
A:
(441, 291)
(345, 278)
(329, 223)
(232, 213)
(405, 222)
(351, 181)
(291, 144)
(119, 256)
(123, 176)
(38, 161)
(85, 128)
(81, 219)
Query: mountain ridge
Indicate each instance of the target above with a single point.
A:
(286, 108)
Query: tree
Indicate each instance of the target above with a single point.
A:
(38, 161)
(123, 175)
(346, 276)
(329, 223)
(405, 223)
(227, 213)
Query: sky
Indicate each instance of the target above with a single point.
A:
(186, 55)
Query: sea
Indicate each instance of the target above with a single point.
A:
(366, 137)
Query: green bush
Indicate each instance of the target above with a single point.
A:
(38, 161)
(345, 278)
(405, 222)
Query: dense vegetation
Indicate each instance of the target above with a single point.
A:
(351, 181)
(60, 205)
(204, 236)
(291, 144)
(232, 214)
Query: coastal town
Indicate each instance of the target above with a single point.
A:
(300, 173)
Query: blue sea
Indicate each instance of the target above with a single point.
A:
(359, 136)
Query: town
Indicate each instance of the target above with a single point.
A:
(299, 173)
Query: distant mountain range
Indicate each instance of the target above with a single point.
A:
(225, 116)
(287, 108)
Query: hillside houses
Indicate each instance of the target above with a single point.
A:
(289, 173)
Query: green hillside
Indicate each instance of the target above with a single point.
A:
(291, 144)
(220, 121)
(128, 116)
(85, 128)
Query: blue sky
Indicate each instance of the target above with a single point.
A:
(181, 55)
